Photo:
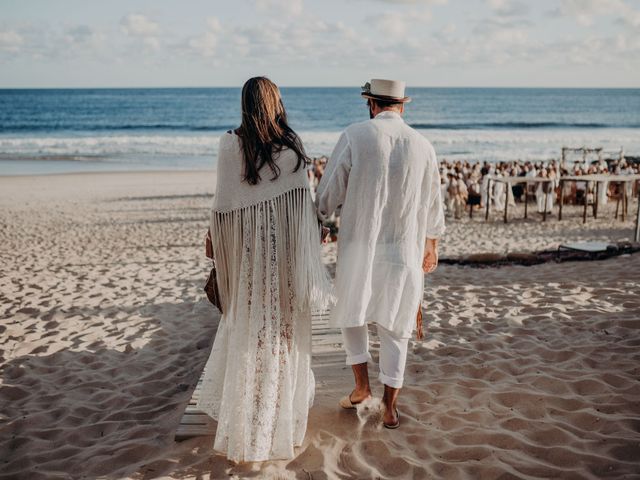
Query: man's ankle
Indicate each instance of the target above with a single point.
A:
(361, 393)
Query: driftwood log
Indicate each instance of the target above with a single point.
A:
(545, 256)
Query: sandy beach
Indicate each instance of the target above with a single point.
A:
(525, 372)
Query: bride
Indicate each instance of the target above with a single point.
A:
(266, 246)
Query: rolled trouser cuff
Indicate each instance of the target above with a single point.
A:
(357, 359)
(390, 381)
(356, 344)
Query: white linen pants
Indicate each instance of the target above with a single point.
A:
(393, 352)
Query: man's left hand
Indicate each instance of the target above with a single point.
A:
(430, 258)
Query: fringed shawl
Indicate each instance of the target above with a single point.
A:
(275, 224)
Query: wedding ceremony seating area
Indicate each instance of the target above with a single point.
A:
(546, 186)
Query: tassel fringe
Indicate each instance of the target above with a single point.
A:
(285, 230)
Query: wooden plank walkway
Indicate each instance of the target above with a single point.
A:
(327, 344)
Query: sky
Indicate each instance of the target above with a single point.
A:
(439, 43)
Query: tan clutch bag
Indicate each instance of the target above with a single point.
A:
(211, 287)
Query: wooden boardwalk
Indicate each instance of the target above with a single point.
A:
(326, 349)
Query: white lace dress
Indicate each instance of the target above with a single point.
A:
(258, 383)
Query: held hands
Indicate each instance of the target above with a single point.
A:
(324, 235)
(324, 232)
(430, 258)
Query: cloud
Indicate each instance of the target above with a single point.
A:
(397, 39)
(492, 27)
(283, 42)
(207, 43)
(586, 12)
(52, 42)
(414, 2)
(142, 28)
(508, 8)
(601, 51)
(79, 34)
(137, 25)
(214, 24)
(397, 24)
(289, 8)
(84, 38)
(285, 37)
(392, 24)
(450, 29)
(10, 41)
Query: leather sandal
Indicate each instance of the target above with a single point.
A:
(345, 402)
(394, 425)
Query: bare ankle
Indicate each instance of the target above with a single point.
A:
(360, 393)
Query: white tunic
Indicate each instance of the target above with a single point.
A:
(540, 197)
(485, 187)
(385, 175)
(498, 194)
(603, 190)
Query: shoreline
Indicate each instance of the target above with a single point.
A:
(109, 172)
(443, 158)
(24, 191)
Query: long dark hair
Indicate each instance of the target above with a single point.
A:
(264, 130)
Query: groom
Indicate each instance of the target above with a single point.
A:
(385, 176)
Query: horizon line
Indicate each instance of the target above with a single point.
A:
(319, 86)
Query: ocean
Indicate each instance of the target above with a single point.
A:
(76, 130)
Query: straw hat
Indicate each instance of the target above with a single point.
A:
(388, 90)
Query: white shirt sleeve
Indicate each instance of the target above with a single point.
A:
(435, 211)
(333, 184)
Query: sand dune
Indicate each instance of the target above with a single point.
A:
(525, 372)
